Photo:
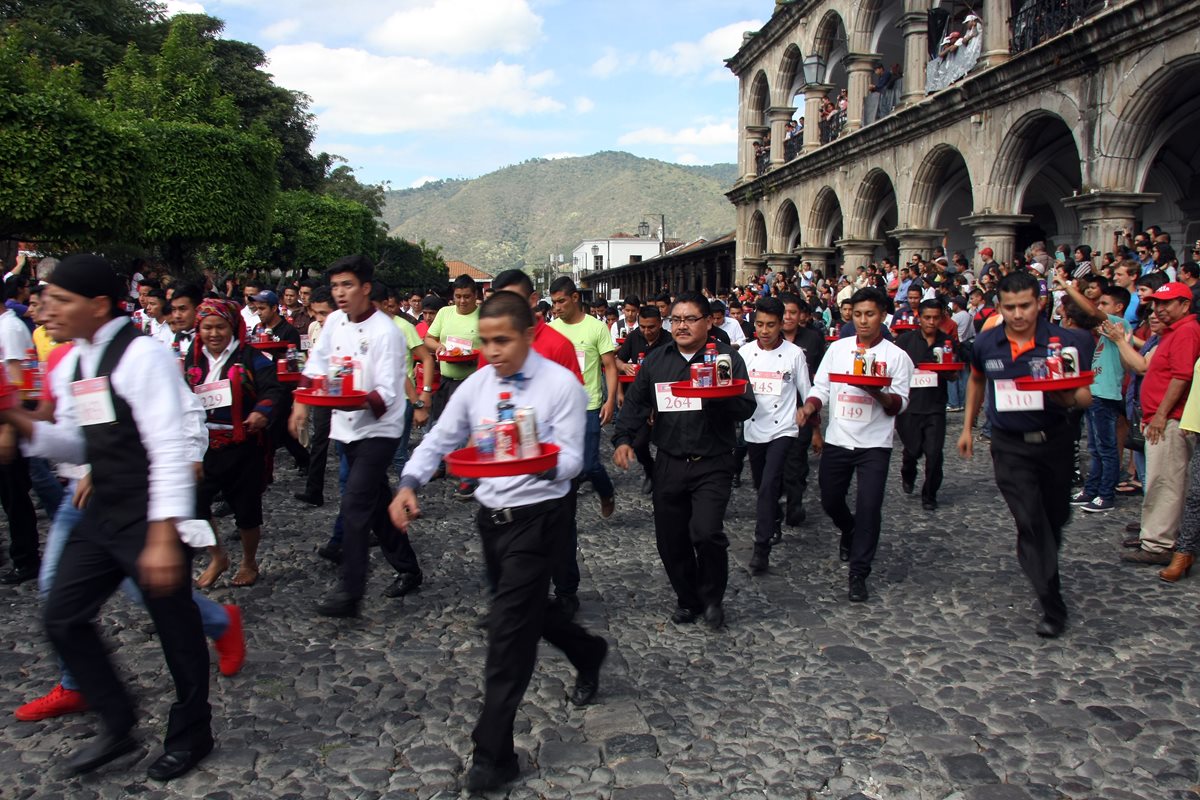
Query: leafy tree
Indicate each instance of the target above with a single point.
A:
(340, 181)
(407, 265)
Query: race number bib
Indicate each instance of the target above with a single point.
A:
(581, 357)
(93, 402)
(1010, 398)
(923, 380)
(854, 409)
(304, 344)
(668, 402)
(459, 343)
(217, 394)
(767, 383)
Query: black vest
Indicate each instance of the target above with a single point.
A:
(120, 466)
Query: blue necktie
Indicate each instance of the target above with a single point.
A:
(517, 378)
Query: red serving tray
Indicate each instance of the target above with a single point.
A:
(945, 366)
(469, 358)
(627, 378)
(9, 398)
(832, 338)
(901, 327)
(620, 340)
(346, 402)
(465, 463)
(685, 389)
(1030, 384)
(269, 345)
(861, 380)
(289, 377)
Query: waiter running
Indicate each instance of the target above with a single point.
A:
(118, 412)
(922, 426)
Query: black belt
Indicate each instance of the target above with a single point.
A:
(693, 458)
(499, 517)
(1029, 437)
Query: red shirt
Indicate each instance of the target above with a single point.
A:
(1174, 358)
(52, 361)
(552, 346)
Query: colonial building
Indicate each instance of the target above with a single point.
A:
(1078, 119)
(695, 266)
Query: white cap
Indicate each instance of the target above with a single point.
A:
(971, 17)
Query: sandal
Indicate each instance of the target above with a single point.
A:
(1129, 488)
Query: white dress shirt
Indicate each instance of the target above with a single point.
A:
(737, 336)
(856, 420)
(381, 348)
(148, 379)
(15, 339)
(560, 402)
(779, 378)
(250, 317)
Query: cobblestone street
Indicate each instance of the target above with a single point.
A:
(936, 688)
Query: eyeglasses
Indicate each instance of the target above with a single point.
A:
(684, 320)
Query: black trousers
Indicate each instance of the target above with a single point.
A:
(521, 555)
(95, 560)
(923, 435)
(441, 397)
(22, 517)
(318, 455)
(1035, 480)
(364, 509)
(766, 468)
(795, 476)
(566, 557)
(641, 449)
(236, 473)
(689, 513)
(838, 466)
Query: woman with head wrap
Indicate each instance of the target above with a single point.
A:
(241, 395)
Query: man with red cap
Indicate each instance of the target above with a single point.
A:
(989, 263)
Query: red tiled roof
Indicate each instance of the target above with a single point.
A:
(457, 268)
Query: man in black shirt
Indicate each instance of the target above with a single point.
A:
(922, 426)
(641, 341)
(694, 468)
(265, 305)
(799, 329)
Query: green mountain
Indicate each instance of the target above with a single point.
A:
(520, 216)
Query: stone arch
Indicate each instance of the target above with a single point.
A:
(786, 232)
(1036, 167)
(825, 218)
(941, 194)
(832, 44)
(756, 236)
(1151, 92)
(759, 100)
(874, 197)
(1018, 148)
(789, 77)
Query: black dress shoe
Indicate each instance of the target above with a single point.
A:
(714, 616)
(565, 605)
(330, 552)
(759, 562)
(929, 505)
(1131, 542)
(587, 682)
(485, 776)
(101, 750)
(405, 583)
(1049, 628)
(222, 509)
(647, 485)
(777, 533)
(18, 575)
(858, 589)
(684, 616)
(175, 763)
(305, 497)
(796, 518)
(339, 604)
(844, 547)
(907, 487)
(1134, 527)
(737, 481)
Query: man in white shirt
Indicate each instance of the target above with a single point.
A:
(369, 437)
(185, 300)
(779, 376)
(251, 288)
(737, 337)
(523, 521)
(858, 440)
(15, 343)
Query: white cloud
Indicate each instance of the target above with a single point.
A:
(419, 182)
(706, 55)
(610, 63)
(174, 7)
(584, 104)
(712, 135)
(281, 29)
(556, 156)
(458, 27)
(687, 158)
(354, 91)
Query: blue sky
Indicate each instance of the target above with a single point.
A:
(415, 90)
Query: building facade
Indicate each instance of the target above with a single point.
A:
(1077, 120)
(596, 255)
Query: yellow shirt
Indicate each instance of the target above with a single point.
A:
(44, 343)
(1190, 421)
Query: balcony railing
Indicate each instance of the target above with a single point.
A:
(1039, 20)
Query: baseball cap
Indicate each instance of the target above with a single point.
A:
(266, 296)
(986, 252)
(1172, 291)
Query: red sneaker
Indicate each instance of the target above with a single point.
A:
(60, 701)
(231, 647)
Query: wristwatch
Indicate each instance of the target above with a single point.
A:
(418, 404)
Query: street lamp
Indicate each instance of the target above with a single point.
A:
(643, 229)
(814, 69)
(595, 254)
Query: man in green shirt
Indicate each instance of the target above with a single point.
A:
(456, 327)
(594, 350)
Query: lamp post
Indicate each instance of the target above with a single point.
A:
(643, 229)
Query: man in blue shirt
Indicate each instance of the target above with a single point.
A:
(1031, 437)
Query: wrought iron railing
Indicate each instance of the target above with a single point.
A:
(1039, 20)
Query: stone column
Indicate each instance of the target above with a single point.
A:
(750, 269)
(858, 69)
(996, 30)
(781, 262)
(754, 137)
(1101, 213)
(779, 117)
(997, 231)
(820, 257)
(857, 253)
(916, 240)
(915, 25)
(814, 96)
